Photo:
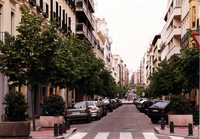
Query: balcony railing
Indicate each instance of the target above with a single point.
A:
(81, 28)
(81, 6)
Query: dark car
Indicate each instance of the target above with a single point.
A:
(108, 105)
(145, 106)
(119, 102)
(80, 111)
(114, 103)
(158, 110)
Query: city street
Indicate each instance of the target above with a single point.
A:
(123, 123)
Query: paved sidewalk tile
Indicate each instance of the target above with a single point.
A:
(48, 134)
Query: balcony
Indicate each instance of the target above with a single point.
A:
(81, 29)
(174, 32)
(82, 7)
(92, 4)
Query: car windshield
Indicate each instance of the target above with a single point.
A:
(160, 104)
(80, 105)
(91, 103)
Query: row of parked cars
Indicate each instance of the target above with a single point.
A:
(91, 110)
(155, 109)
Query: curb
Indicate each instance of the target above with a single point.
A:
(157, 130)
(69, 133)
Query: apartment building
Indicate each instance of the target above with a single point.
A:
(9, 18)
(63, 11)
(125, 76)
(171, 33)
(85, 21)
(104, 42)
(157, 45)
(189, 22)
(120, 71)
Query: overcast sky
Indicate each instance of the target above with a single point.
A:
(132, 25)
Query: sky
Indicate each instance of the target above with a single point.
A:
(132, 25)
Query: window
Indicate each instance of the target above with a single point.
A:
(60, 12)
(63, 19)
(69, 23)
(51, 6)
(12, 23)
(193, 16)
(66, 21)
(47, 10)
(0, 17)
(41, 4)
(56, 11)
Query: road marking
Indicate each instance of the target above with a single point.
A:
(126, 135)
(173, 137)
(78, 135)
(102, 135)
(149, 135)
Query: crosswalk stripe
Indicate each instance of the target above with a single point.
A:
(173, 137)
(102, 135)
(149, 135)
(78, 135)
(125, 135)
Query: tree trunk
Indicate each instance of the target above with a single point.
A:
(33, 107)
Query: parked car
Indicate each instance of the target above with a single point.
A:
(95, 109)
(101, 105)
(119, 102)
(158, 110)
(145, 106)
(139, 104)
(80, 111)
(137, 101)
(114, 103)
(107, 104)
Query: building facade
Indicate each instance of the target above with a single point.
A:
(10, 16)
(171, 33)
(85, 21)
(190, 22)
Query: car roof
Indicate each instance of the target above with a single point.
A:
(160, 104)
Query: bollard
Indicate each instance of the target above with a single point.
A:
(162, 123)
(56, 130)
(171, 126)
(64, 127)
(60, 129)
(190, 129)
(67, 122)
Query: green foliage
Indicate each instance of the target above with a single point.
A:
(15, 106)
(40, 55)
(179, 105)
(190, 68)
(180, 74)
(139, 90)
(53, 106)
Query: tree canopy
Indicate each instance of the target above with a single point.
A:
(179, 74)
(40, 54)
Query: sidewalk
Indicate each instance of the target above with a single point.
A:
(48, 134)
(178, 131)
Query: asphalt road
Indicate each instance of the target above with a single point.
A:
(126, 122)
